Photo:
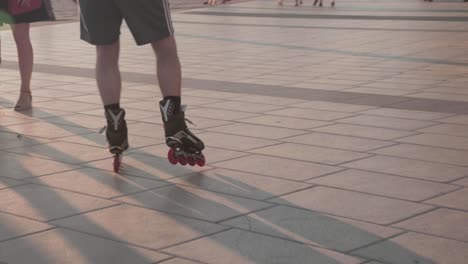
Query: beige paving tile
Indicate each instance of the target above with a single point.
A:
(13, 140)
(21, 166)
(320, 86)
(211, 94)
(277, 167)
(410, 168)
(388, 85)
(79, 120)
(146, 130)
(384, 184)
(436, 140)
(55, 93)
(354, 205)
(233, 142)
(463, 182)
(286, 122)
(372, 90)
(8, 120)
(241, 247)
(99, 140)
(34, 113)
(66, 246)
(339, 142)
(364, 131)
(310, 153)
(387, 122)
(98, 182)
(448, 156)
(245, 107)
(13, 226)
(7, 183)
(64, 152)
(458, 119)
(240, 184)
(441, 96)
(151, 167)
(413, 248)
(257, 131)
(455, 200)
(82, 87)
(402, 113)
(441, 222)
(447, 129)
(310, 114)
(410, 81)
(68, 106)
(46, 130)
(194, 202)
(271, 100)
(43, 203)
(220, 114)
(330, 106)
(140, 226)
(312, 228)
(178, 261)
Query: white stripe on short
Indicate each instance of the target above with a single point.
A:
(168, 17)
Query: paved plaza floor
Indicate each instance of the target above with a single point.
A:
(334, 135)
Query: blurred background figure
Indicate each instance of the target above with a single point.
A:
(213, 2)
(320, 2)
(298, 2)
(21, 13)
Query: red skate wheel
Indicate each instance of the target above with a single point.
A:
(183, 160)
(172, 157)
(117, 163)
(191, 161)
(201, 161)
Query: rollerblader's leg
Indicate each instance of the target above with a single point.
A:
(150, 23)
(116, 133)
(185, 147)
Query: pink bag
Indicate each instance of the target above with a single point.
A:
(15, 8)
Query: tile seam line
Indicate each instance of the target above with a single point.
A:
(113, 239)
(29, 234)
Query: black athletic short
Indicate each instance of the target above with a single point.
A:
(148, 20)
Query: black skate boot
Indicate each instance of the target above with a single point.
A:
(116, 134)
(185, 146)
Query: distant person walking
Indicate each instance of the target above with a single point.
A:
(20, 13)
(213, 2)
(320, 2)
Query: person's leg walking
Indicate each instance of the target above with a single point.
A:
(26, 60)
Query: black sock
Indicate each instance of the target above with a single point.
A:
(112, 107)
(176, 100)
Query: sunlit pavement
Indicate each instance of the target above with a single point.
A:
(334, 135)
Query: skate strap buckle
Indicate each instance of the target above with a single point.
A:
(188, 120)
